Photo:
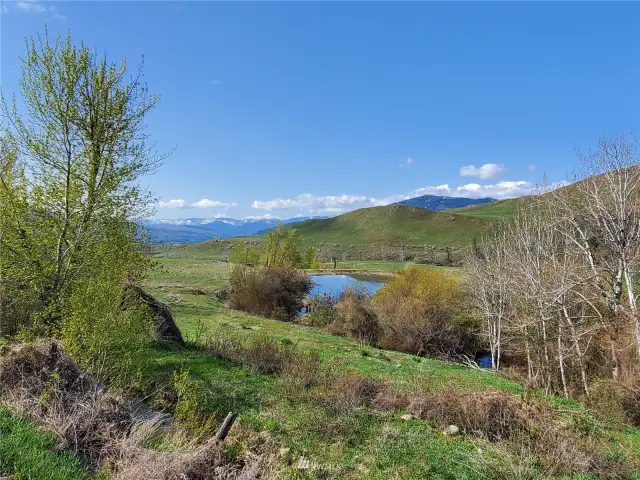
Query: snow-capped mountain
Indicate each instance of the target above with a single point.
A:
(193, 230)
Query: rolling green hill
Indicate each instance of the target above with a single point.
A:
(393, 233)
(396, 224)
(497, 210)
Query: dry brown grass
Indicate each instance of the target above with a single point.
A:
(524, 426)
(258, 355)
(42, 384)
(618, 401)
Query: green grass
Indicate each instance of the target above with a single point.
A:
(395, 224)
(361, 444)
(364, 444)
(28, 454)
(174, 274)
(500, 210)
(373, 266)
(200, 316)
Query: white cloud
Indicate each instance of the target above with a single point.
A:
(485, 172)
(431, 190)
(309, 203)
(34, 6)
(268, 216)
(532, 167)
(4, 9)
(216, 82)
(206, 203)
(31, 6)
(408, 162)
(498, 190)
(177, 203)
(202, 203)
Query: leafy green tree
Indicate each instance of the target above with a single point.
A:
(82, 149)
(18, 295)
(310, 259)
(282, 247)
(244, 256)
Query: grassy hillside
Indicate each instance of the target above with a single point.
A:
(394, 224)
(353, 443)
(498, 210)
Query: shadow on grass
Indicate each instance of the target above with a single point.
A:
(232, 388)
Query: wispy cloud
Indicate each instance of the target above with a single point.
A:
(485, 172)
(408, 162)
(176, 203)
(532, 167)
(268, 216)
(216, 82)
(4, 9)
(202, 203)
(307, 201)
(31, 6)
(206, 203)
(34, 6)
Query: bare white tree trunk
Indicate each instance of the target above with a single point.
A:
(563, 377)
(576, 345)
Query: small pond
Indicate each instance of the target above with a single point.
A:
(334, 284)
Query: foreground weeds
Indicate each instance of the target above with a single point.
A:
(42, 384)
(534, 439)
(319, 420)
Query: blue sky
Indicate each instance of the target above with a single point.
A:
(303, 108)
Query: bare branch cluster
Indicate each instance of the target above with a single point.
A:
(556, 284)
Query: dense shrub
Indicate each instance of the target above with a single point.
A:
(104, 336)
(619, 401)
(322, 311)
(270, 292)
(420, 312)
(355, 318)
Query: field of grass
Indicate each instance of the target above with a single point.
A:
(28, 454)
(364, 444)
(499, 210)
(365, 266)
(395, 224)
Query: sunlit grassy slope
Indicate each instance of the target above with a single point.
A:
(499, 210)
(366, 444)
(395, 224)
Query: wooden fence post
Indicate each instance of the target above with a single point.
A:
(223, 431)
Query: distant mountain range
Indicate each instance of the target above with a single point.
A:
(435, 202)
(193, 230)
